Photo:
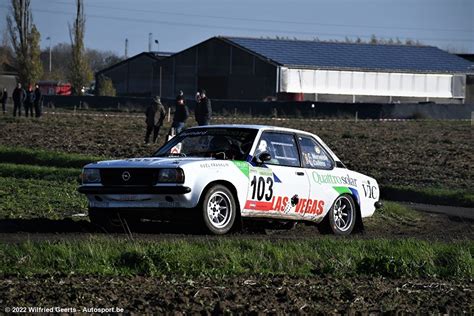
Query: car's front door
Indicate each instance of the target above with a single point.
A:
(326, 181)
(277, 185)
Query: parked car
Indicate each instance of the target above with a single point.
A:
(222, 174)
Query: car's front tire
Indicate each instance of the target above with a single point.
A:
(341, 218)
(218, 210)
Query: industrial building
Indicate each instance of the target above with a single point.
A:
(261, 69)
(136, 76)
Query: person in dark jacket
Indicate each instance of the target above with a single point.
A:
(203, 110)
(29, 101)
(18, 96)
(181, 113)
(155, 115)
(38, 101)
(4, 100)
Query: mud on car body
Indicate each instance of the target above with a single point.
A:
(221, 174)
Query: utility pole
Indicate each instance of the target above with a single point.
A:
(149, 41)
(157, 42)
(50, 56)
(126, 48)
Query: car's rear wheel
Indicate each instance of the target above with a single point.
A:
(218, 210)
(341, 218)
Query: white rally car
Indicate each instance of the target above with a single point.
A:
(223, 174)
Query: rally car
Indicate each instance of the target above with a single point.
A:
(220, 175)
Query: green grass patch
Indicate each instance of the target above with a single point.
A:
(398, 212)
(230, 257)
(428, 195)
(31, 198)
(44, 158)
(39, 172)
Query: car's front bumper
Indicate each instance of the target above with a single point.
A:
(87, 189)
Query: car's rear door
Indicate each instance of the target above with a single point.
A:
(277, 185)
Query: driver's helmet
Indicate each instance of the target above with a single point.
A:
(219, 143)
(262, 147)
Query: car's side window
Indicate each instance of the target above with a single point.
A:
(313, 154)
(281, 147)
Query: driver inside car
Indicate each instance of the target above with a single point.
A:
(220, 145)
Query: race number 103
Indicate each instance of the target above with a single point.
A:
(262, 188)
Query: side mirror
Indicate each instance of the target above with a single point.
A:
(263, 157)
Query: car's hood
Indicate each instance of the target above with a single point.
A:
(147, 162)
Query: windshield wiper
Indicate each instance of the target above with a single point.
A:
(172, 155)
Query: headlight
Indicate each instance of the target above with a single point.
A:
(170, 176)
(91, 176)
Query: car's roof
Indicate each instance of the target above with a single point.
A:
(256, 127)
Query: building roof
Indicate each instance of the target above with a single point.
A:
(7, 69)
(354, 56)
(154, 55)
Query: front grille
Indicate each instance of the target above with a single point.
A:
(131, 176)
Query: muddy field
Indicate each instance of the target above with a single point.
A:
(418, 153)
(249, 295)
(429, 153)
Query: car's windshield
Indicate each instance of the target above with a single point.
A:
(220, 143)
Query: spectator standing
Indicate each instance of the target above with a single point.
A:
(155, 115)
(29, 101)
(4, 100)
(38, 101)
(181, 113)
(203, 110)
(18, 96)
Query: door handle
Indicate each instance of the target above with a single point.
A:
(299, 173)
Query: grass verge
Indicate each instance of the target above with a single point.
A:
(31, 198)
(44, 158)
(224, 258)
(39, 172)
(436, 196)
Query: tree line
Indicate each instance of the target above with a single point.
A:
(20, 47)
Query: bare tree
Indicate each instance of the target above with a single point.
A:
(80, 73)
(25, 39)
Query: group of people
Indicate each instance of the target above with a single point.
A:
(155, 114)
(28, 99)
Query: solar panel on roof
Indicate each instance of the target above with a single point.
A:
(314, 54)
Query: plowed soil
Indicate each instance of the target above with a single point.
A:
(250, 295)
(418, 153)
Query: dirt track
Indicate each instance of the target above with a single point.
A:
(425, 226)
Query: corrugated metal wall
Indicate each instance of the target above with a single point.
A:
(224, 71)
(371, 83)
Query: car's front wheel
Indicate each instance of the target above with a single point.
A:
(341, 218)
(218, 210)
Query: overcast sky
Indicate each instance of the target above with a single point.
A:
(179, 24)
